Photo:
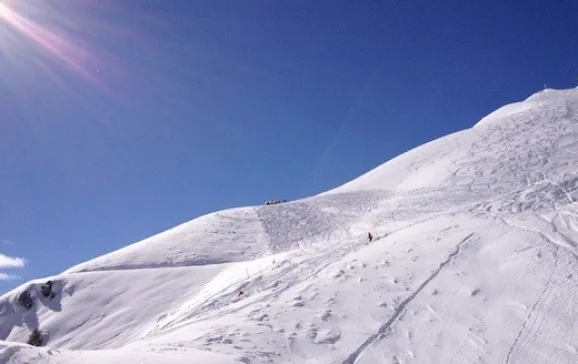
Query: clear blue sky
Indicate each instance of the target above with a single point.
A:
(120, 119)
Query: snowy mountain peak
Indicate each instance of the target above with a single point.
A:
(547, 98)
(472, 260)
(491, 157)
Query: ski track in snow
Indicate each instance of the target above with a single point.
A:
(352, 359)
(532, 310)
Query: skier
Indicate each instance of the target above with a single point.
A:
(370, 237)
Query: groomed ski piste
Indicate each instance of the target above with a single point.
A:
(474, 260)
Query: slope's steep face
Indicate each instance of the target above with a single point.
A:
(474, 259)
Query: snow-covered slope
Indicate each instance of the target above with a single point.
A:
(475, 260)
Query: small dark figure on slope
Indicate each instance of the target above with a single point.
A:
(35, 338)
(25, 300)
(47, 290)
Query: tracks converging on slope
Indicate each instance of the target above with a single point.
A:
(532, 310)
(383, 329)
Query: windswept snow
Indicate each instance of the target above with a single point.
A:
(474, 260)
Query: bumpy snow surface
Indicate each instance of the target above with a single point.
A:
(475, 260)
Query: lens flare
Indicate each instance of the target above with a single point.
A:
(50, 41)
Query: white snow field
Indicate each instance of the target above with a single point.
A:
(475, 260)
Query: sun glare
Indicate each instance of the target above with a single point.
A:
(51, 42)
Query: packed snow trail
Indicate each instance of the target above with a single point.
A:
(474, 260)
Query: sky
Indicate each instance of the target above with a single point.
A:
(121, 119)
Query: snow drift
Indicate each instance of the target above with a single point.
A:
(475, 260)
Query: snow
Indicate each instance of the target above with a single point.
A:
(474, 260)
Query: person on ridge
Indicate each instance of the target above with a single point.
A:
(370, 237)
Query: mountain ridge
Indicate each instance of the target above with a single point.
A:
(474, 250)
